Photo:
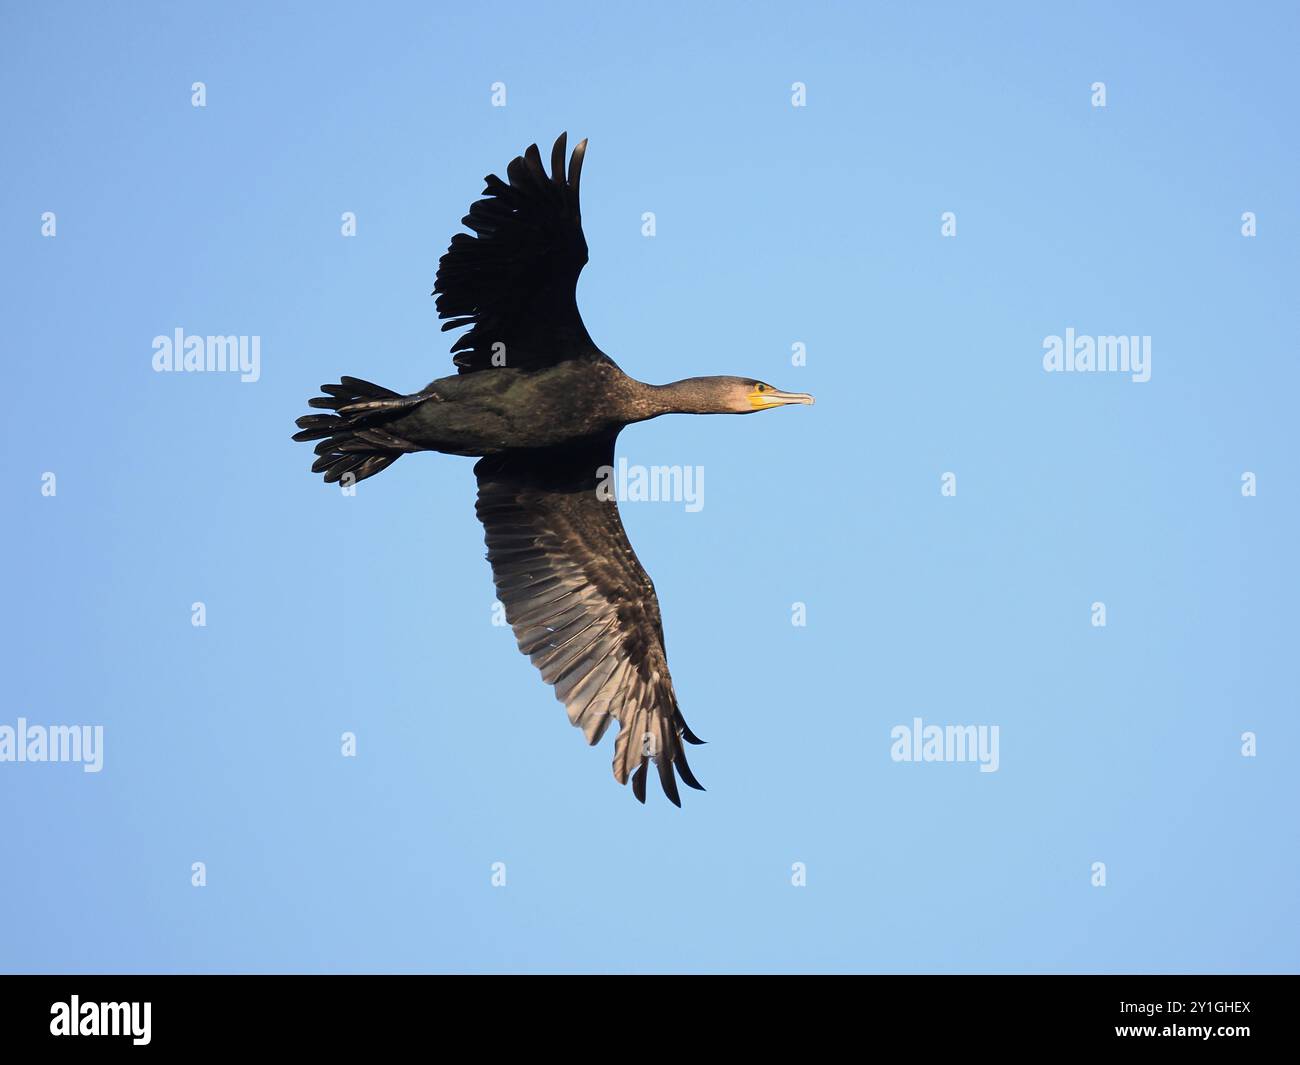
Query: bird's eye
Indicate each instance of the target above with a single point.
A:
(762, 388)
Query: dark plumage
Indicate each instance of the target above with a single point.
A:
(541, 406)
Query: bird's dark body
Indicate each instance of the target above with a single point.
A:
(488, 413)
(541, 407)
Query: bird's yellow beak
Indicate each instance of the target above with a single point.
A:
(762, 398)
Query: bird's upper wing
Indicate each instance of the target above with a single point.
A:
(515, 281)
(581, 606)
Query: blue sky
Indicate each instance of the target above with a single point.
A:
(776, 225)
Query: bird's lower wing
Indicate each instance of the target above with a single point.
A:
(581, 606)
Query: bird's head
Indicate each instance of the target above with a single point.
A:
(759, 395)
(723, 395)
(744, 395)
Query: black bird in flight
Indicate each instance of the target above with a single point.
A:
(541, 406)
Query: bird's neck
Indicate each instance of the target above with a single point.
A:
(691, 396)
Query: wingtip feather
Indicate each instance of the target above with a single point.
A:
(575, 165)
(557, 159)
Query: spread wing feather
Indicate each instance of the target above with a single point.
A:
(581, 605)
(514, 280)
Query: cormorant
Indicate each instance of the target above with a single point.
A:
(541, 406)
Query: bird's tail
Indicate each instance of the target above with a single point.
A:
(354, 440)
